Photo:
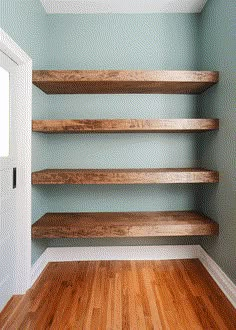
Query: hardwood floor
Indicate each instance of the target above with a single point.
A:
(136, 295)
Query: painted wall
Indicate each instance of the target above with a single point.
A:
(217, 52)
(25, 22)
(158, 41)
(134, 42)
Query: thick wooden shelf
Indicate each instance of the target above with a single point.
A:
(124, 176)
(124, 224)
(125, 125)
(120, 81)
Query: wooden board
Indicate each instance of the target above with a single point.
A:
(124, 176)
(120, 81)
(124, 125)
(123, 224)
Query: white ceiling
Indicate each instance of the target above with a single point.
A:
(122, 6)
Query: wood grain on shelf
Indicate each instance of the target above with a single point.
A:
(124, 176)
(121, 81)
(124, 125)
(123, 224)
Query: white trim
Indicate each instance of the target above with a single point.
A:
(226, 285)
(161, 252)
(39, 266)
(23, 99)
(117, 6)
(11, 49)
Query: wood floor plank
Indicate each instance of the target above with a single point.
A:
(154, 312)
(138, 299)
(123, 295)
(10, 309)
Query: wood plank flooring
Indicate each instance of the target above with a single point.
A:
(135, 295)
(9, 309)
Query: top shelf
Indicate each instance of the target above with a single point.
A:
(123, 82)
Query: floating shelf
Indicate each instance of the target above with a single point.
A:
(125, 125)
(124, 224)
(121, 82)
(124, 176)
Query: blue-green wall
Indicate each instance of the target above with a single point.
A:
(217, 32)
(153, 41)
(157, 41)
(25, 22)
(138, 41)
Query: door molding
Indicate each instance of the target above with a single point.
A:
(23, 118)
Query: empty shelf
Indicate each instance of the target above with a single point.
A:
(121, 81)
(125, 125)
(124, 176)
(123, 224)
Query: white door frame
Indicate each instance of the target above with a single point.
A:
(23, 119)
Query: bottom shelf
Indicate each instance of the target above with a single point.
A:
(123, 224)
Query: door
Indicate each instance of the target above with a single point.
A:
(7, 189)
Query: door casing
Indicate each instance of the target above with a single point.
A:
(23, 119)
(7, 193)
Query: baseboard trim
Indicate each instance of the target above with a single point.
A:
(223, 281)
(39, 266)
(162, 252)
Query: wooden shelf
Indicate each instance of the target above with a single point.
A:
(120, 81)
(125, 125)
(124, 176)
(124, 224)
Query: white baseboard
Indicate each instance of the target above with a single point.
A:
(223, 281)
(39, 266)
(161, 252)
